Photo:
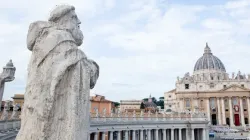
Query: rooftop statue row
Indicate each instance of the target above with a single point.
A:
(142, 114)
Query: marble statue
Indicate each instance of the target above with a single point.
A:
(15, 112)
(60, 77)
(6, 76)
(134, 114)
(104, 112)
(96, 113)
(126, 114)
(6, 110)
(142, 113)
(119, 113)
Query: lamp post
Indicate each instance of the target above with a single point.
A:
(6, 76)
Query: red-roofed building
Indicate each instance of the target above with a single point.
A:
(99, 102)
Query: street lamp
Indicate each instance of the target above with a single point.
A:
(6, 76)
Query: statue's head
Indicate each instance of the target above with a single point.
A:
(64, 17)
(7, 105)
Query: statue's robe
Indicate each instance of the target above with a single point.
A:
(60, 76)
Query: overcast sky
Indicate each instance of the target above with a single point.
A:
(141, 46)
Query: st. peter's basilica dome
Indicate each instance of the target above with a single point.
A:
(209, 62)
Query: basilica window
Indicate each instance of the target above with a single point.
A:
(186, 86)
(224, 86)
(242, 85)
(244, 103)
(212, 85)
(201, 104)
(235, 101)
(212, 78)
(226, 104)
(212, 102)
(188, 103)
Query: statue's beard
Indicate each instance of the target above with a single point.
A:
(77, 35)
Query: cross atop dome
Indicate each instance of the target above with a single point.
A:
(207, 50)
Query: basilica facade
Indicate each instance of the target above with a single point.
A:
(210, 89)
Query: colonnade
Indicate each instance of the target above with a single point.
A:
(221, 109)
(153, 134)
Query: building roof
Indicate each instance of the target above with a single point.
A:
(99, 98)
(209, 61)
(150, 104)
(173, 90)
(18, 96)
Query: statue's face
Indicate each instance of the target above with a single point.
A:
(72, 23)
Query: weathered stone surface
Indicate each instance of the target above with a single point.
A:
(14, 115)
(59, 80)
(6, 110)
(6, 76)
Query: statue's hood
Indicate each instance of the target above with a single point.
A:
(35, 30)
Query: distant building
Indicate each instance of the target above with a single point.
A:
(18, 99)
(99, 102)
(130, 105)
(210, 89)
(150, 105)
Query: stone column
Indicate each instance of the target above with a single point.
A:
(156, 134)
(149, 134)
(119, 135)
(242, 118)
(231, 112)
(207, 135)
(103, 135)
(180, 135)
(111, 135)
(223, 118)
(208, 110)
(133, 135)
(164, 134)
(219, 111)
(182, 104)
(96, 136)
(141, 135)
(192, 133)
(172, 134)
(168, 134)
(187, 134)
(195, 103)
(204, 134)
(248, 109)
(126, 135)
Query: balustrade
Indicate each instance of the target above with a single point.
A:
(133, 117)
(141, 126)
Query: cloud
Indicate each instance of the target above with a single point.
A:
(141, 46)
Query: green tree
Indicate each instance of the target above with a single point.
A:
(142, 106)
(160, 103)
(161, 98)
(116, 104)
